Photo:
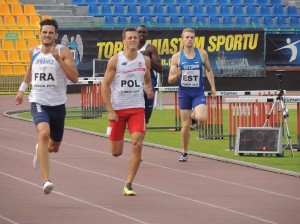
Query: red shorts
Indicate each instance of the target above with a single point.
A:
(135, 117)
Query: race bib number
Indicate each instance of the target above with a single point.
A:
(190, 78)
(44, 76)
(130, 85)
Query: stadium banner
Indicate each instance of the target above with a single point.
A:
(231, 53)
(282, 49)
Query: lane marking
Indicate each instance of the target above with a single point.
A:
(76, 199)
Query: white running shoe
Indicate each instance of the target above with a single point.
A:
(48, 187)
(35, 161)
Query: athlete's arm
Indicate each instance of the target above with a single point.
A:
(209, 71)
(174, 72)
(147, 79)
(155, 59)
(66, 62)
(105, 87)
(26, 80)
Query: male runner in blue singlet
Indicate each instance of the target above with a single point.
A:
(187, 67)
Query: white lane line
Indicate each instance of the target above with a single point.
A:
(76, 199)
(8, 220)
(153, 189)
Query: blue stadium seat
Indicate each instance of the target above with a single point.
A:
(135, 20)
(294, 22)
(93, 10)
(235, 2)
(195, 2)
(91, 2)
(174, 21)
(168, 2)
(132, 10)
(142, 2)
(109, 21)
(158, 10)
(126, 2)
(181, 2)
(119, 10)
(276, 2)
(241, 21)
(265, 10)
(222, 2)
(281, 21)
(225, 10)
(251, 10)
(209, 2)
(145, 10)
(198, 10)
(147, 20)
(254, 21)
(211, 10)
(214, 21)
(268, 22)
(78, 2)
(238, 10)
(161, 21)
(105, 10)
(292, 11)
(122, 20)
(201, 21)
(278, 10)
(227, 21)
(155, 2)
(249, 2)
(188, 21)
(116, 2)
(184, 10)
(262, 2)
(171, 10)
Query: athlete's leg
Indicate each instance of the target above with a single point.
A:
(136, 126)
(186, 121)
(43, 130)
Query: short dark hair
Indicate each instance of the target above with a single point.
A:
(51, 22)
(128, 29)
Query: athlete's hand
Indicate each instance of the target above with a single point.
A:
(150, 94)
(112, 116)
(54, 52)
(19, 98)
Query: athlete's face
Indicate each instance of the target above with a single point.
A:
(188, 39)
(143, 33)
(48, 35)
(131, 40)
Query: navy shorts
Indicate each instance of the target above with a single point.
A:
(53, 115)
(189, 100)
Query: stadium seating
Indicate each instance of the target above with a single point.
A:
(214, 21)
(171, 10)
(198, 10)
(161, 21)
(184, 10)
(187, 21)
(119, 10)
(235, 2)
(281, 21)
(251, 10)
(168, 2)
(116, 2)
(254, 21)
(227, 20)
(5, 9)
(155, 2)
(24, 56)
(225, 10)
(268, 22)
(208, 2)
(182, 2)
(93, 10)
(278, 10)
(13, 56)
(21, 44)
(145, 10)
(147, 20)
(294, 22)
(211, 10)
(174, 21)
(276, 2)
(105, 10)
(249, 2)
(238, 10)
(135, 20)
(265, 10)
(292, 11)
(122, 20)
(262, 2)
(222, 2)
(16, 9)
(201, 21)
(132, 10)
(29, 9)
(109, 21)
(241, 21)
(142, 2)
(158, 10)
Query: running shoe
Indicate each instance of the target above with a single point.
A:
(35, 161)
(128, 191)
(48, 187)
(183, 157)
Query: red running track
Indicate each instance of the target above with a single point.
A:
(88, 184)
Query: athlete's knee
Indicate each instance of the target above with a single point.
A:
(201, 118)
(44, 134)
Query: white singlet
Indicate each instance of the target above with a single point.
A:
(49, 82)
(128, 84)
(144, 47)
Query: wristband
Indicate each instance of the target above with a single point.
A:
(23, 87)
